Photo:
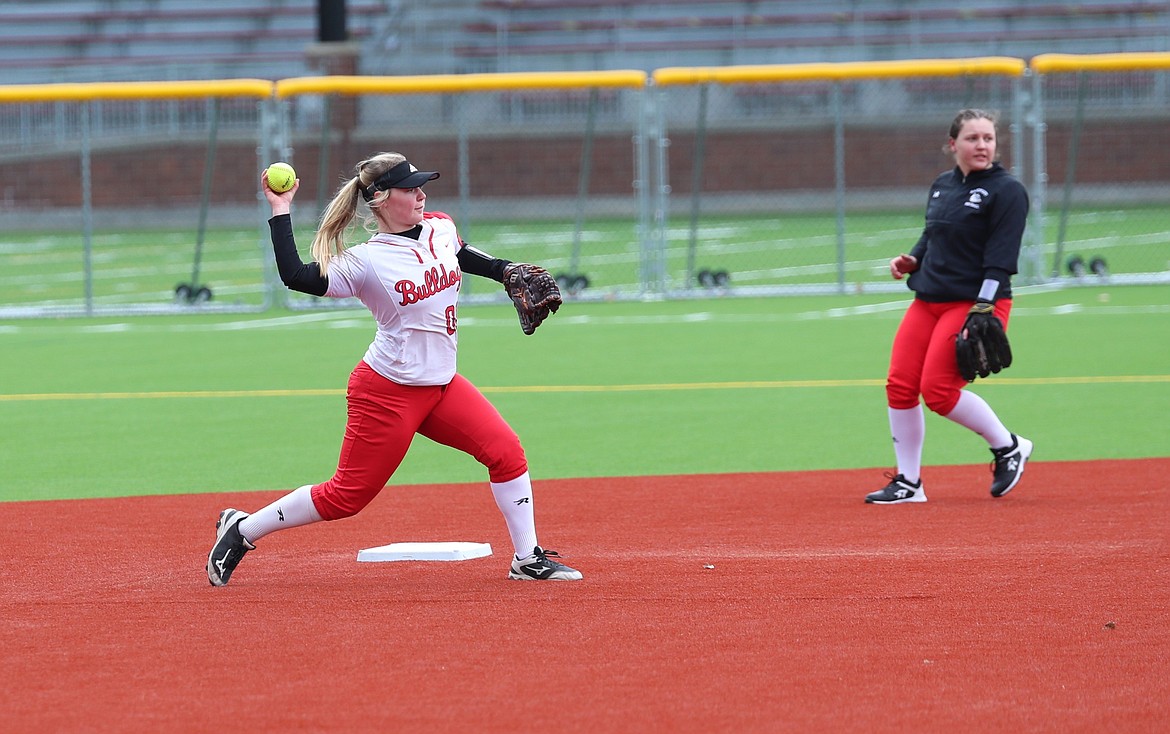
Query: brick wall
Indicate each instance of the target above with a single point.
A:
(171, 175)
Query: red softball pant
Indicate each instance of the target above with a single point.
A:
(922, 361)
(383, 418)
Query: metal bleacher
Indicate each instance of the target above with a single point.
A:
(512, 35)
(131, 40)
(109, 40)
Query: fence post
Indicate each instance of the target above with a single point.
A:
(273, 146)
(839, 180)
(1033, 260)
(651, 184)
(87, 205)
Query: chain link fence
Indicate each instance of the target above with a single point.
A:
(685, 182)
(545, 168)
(1108, 187)
(808, 178)
(131, 198)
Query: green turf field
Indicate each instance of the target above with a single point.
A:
(789, 250)
(212, 403)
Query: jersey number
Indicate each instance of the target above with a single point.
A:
(451, 320)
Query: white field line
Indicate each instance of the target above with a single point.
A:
(360, 319)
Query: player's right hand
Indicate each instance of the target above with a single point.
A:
(903, 265)
(281, 201)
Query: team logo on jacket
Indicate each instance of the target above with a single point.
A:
(975, 198)
(435, 280)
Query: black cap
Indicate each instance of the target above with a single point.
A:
(402, 176)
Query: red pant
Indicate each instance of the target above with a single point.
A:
(923, 358)
(383, 419)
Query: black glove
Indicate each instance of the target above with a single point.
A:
(981, 346)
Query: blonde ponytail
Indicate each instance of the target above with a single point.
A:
(338, 215)
(330, 239)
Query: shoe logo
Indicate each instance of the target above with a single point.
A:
(280, 514)
(902, 493)
(521, 501)
(221, 563)
(535, 570)
(1013, 464)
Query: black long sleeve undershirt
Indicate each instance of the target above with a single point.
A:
(477, 262)
(307, 278)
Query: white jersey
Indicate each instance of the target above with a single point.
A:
(412, 288)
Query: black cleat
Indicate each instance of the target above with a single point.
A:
(229, 547)
(898, 491)
(540, 567)
(1008, 465)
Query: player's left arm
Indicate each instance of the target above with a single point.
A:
(1005, 226)
(1001, 255)
(532, 289)
(982, 346)
(478, 262)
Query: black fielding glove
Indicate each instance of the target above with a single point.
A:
(981, 346)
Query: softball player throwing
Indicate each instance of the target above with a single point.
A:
(408, 275)
(960, 271)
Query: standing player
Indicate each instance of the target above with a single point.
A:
(960, 271)
(408, 275)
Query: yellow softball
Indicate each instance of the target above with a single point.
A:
(281, 177)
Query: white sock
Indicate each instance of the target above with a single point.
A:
(908, 428)
(973, 412)
(514, 498)
(290, 511)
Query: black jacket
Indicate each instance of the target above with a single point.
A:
(974, 227)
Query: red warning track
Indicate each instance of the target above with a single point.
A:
(748, 603)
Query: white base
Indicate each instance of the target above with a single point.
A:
(425, 552)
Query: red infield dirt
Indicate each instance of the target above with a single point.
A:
(723, 603)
